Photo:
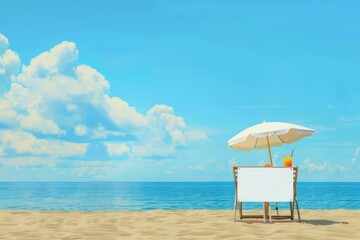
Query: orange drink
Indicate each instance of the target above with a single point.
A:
(287, 161)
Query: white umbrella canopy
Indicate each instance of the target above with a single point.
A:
(268, 134)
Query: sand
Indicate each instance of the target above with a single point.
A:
(181, 224)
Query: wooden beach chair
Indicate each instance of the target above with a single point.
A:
(238, 203)
(295, 201)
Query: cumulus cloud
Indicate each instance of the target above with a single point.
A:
(55, 82)
(55, 106)
(121, 113)
(61, 59)
(9, 63)
(7, 113)
(21, 142)
(165, 124)
(26, 111)
(35, 122)
(117, 149)
(4, 43)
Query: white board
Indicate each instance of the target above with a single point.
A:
(262, 184)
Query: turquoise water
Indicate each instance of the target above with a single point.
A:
(109, 196)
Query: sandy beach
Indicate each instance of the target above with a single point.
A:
(180, 224)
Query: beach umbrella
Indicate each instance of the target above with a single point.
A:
(267, 135)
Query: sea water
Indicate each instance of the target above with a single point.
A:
(112, 196)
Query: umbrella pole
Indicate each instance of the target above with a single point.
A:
(267, 139)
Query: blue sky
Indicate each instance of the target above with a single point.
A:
(152, 90)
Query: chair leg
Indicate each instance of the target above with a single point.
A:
(235, 208)
(297, 208)
(240, 210)
(292, 210)
(269, 212)
(264, 212)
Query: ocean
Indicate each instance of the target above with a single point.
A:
(112, 196)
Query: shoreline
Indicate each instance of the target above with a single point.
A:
(175, 224)
(250, 210)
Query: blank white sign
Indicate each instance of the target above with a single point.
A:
(265, 184)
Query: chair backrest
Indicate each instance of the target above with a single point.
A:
(288, 190)
(296, 170)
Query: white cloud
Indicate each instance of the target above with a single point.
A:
(338, 168)
(165, 132)
(19, 162)
(153, 150)
(197, 167)
(356, 155)
(275, 158)
(71, 107)
(122, 114)
(25, 143)
(4, 43)
(54, 78)
(100, 132)
(310, 166)
(313, 167)
(7, 114)
(80, 130)
(54, 95)
(164, 123)
(261, 163)
(35, 122)
(91, 80)
(350, 120)
(61, 59)
(117, 149)
(232, 162)
(9, 63)
(95, 169)
(25, 109)
(196, 135)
